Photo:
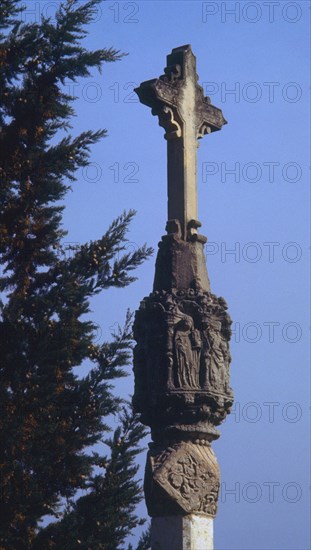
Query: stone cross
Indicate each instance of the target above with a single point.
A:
(182, 330)
(178, 100)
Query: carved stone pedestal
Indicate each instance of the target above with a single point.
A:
(191, 532)
(182, 391)
(182, 478)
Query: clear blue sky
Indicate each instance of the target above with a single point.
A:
(253, 60)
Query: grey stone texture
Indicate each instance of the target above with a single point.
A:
(190, 532)
(186, 115)
(182, 330)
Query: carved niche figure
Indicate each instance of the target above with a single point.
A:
(187, 345)
(196, 341)
(205, 358)
(218, 357)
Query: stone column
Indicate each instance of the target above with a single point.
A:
(182, 330)
(191, 532)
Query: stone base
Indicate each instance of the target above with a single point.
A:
(191, 532)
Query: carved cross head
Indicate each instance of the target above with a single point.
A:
(186, 115)
(178, 100)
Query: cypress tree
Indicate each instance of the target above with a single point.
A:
(50, 415)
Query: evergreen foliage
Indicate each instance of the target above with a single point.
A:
(50, 416)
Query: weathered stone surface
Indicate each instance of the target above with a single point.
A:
(186, 115)
(182, 358)
(190, 532)
(182, 478)
(181, 264)
(181, 363)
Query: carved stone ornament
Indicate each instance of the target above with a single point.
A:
(182, 479)
(182, 330)
(186, 115)
(168, 90)
(181, 364)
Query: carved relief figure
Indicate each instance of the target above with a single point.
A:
(218, 357)
(183, 352)
(205, 358)
(196, 352)
(187, 343)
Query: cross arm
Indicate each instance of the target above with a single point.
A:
(162, 98)
(210, 118)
